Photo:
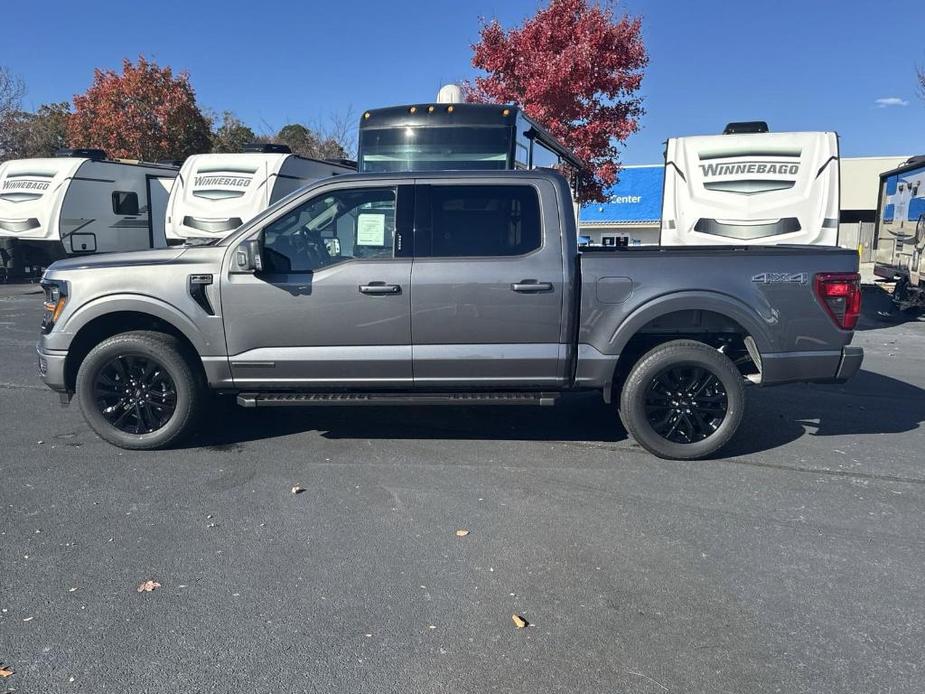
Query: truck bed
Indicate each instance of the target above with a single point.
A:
(766, 290)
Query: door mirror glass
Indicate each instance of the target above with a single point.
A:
(249, 255)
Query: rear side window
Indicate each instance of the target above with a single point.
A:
(478, 221)
(125, 202)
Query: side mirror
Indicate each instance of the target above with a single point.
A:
(249, 255)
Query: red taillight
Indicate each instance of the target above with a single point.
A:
(840, 294)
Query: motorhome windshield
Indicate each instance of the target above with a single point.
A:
(430, 148)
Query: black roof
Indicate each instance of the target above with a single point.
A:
(411, 115)
(916, 162)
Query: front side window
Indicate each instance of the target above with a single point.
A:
(332, 228)
(483, 220)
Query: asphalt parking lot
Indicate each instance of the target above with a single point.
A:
(793, 564)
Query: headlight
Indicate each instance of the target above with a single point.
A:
(55, 301)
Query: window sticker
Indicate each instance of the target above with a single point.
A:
(371, 229)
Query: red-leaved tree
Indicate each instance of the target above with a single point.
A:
(576, 69)
(147, 113)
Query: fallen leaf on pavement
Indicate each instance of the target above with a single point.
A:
(462, 532)
(148, 586)
(297, 489)
(519, 621)
(5, 671)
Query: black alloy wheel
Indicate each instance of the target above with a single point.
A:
(135, 394)
(683, 400)
(685, 403)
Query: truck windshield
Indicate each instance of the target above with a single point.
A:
(434, 148)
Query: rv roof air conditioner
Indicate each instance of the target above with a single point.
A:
(450, 94)
(267, 148)
(750, 126)
(82, 153)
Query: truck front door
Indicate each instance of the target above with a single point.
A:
(487, 285)
(331, 306)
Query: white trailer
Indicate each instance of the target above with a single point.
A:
(216, 193)
(749, 186)
(77, 203)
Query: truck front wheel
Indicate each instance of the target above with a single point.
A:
(683, 400)
(138, 390)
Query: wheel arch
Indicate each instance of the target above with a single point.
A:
(96, 322)
(709, 317)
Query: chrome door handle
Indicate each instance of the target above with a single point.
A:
(531, 286)
(380, 288)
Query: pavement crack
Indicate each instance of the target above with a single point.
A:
(20, 386)
(773, 466)
(833, 473)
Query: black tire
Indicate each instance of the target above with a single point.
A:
(139, 390)
(704, 411)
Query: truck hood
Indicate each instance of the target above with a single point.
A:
(111, 260)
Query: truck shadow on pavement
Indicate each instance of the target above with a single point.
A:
(878, 311)
(579, 417)
(869, 404)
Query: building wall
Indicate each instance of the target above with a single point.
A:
(860, 180)
(636, 234)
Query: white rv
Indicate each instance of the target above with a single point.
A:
(749, 186)
(216, 193)
(76, 203)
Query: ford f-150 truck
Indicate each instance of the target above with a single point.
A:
(459, 288)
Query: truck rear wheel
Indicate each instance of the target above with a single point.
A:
(138, 390)
(683, 400)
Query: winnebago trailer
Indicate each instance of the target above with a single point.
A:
(76, 203)
(900, 232)
(216, 193)
(749, 186)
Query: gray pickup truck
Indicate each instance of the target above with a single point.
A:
(460, 288)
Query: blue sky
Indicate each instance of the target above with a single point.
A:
(800, 65)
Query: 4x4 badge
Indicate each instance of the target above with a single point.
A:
(780, 278)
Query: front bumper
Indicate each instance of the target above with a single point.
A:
(815, 367)
(51, 369)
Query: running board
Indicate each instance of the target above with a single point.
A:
(301, 399)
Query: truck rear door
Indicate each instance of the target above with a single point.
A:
(487, 284)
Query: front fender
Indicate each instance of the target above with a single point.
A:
(61, 337)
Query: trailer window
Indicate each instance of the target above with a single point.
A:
(480, 221)
(543, 156)
(435, 148)
(125, 202)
